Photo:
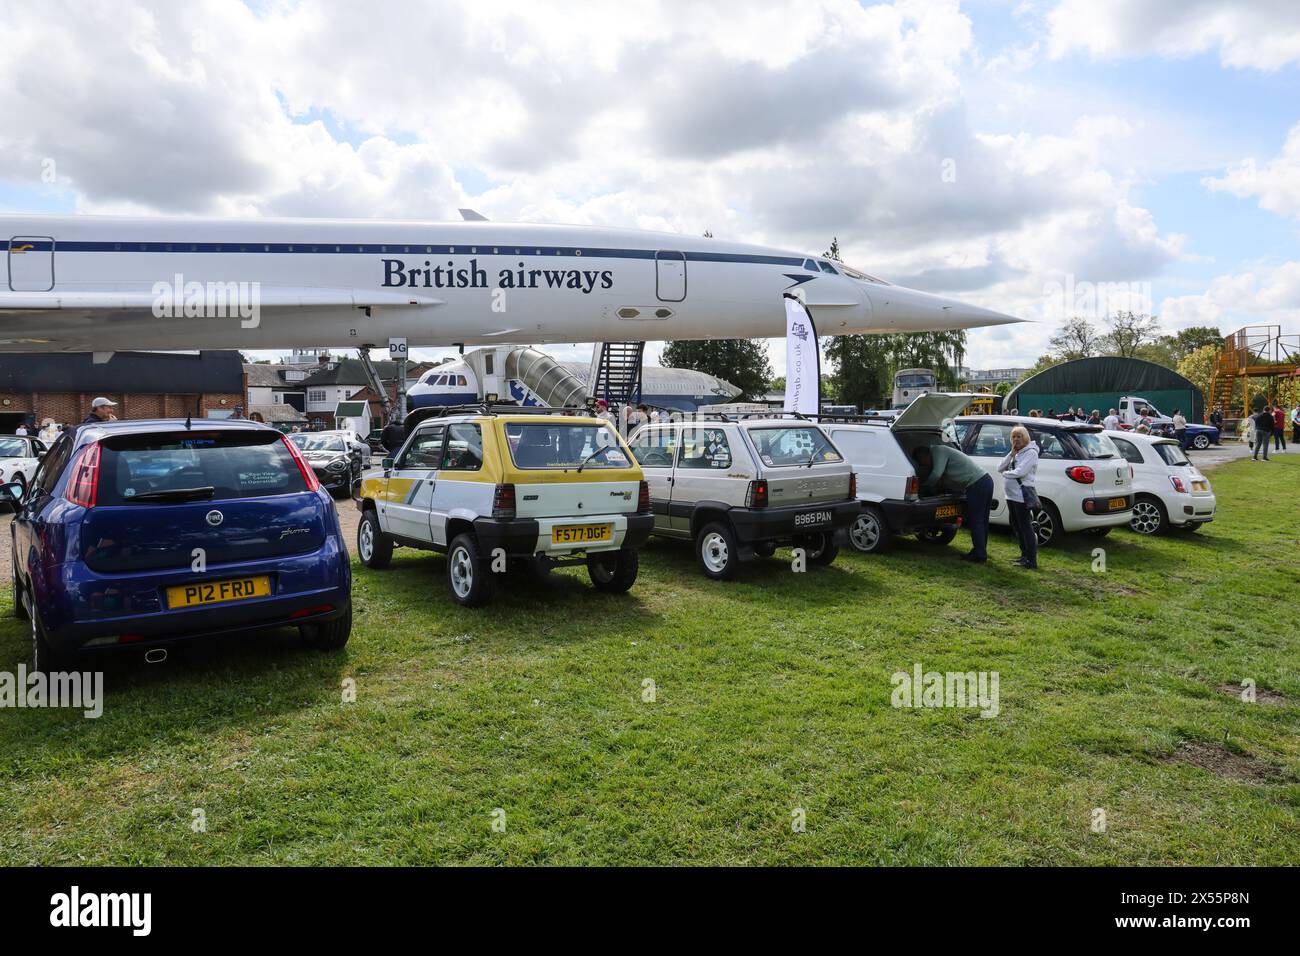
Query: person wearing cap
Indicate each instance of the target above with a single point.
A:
(101, 410)
(602, 411)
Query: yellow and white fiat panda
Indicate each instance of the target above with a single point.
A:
(504, 483)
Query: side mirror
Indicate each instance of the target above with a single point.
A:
(387, 464)
(13, 491)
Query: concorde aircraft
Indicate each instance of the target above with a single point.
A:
(104, 284)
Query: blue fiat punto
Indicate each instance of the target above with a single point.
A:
(144, 533)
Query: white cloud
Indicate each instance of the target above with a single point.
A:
(786, 122)
(1265, 295)
(1276, 184)
(1255, 34)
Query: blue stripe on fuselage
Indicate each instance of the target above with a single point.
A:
(407, 249)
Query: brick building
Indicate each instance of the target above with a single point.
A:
(61, 385)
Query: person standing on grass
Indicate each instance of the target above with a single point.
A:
(1180, 428)
(951, 470)
(1019, 472)
(1295, 424)
(1263, 422)
(1279, 429)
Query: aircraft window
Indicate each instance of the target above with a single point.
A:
(461, 380)
(827, 267)
(810, 265)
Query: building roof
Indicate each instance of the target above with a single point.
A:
(262, 375)
(277, 413)
(156, 373)
(346, 371)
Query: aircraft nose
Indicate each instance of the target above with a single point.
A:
(901, 309)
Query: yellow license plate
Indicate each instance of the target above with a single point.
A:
(947, 511)
(216, 592)
(1199, 486)
(581, 533)
(1118, 504)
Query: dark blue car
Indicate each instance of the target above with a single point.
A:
(143, 533)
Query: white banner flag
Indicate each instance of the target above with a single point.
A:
(802, 362)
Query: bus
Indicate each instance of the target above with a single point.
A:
(911, 382)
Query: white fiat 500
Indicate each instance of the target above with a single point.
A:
(20, 455)
(1169, 490)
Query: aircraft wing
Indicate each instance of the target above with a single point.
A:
(276, 297)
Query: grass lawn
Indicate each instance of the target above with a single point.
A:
(771, 694)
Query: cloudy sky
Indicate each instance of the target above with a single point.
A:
(1018, 155)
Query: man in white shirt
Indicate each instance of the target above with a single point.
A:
(1180, 427)
(1111, 421)
(20, 430)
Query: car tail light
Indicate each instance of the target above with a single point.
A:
(643, 499)
(1178, 484)
(308, 475)
(853, 484)
(503, 501)
(913, 487)
(1082, 474)
(84, 486)
(757, 496)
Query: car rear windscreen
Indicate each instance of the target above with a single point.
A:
(1096, 445)
(560, 445)
(163, 467)
(792, 445)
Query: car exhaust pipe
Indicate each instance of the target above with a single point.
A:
(155, 655)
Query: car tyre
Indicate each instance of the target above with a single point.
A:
(869, 534)
(20, 609)
(1149, 516)
(717, 551)
(45, 658)
(1047, 525)
(468, 576)
(613, 572)
(1201, 442)
(939, 537)
(821, 547)
(328, 635)
(374, 548)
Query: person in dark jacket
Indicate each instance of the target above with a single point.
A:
(1279, 429)
(393, 435)
(1263, 432)
(101, 410)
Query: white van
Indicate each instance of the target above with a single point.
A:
(887, 483)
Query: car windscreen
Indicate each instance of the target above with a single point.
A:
(792, 445)
(182, 465)
(13, 448)
(1096, 445)
(561, 445)
(318, 442)
(1172, 454)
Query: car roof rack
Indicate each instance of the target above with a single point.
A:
(420, 415)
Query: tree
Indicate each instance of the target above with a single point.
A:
(1077, 339)
(1197, 337)
(742, 362)
(1198, 368)
(1129, 332)
(862, 373)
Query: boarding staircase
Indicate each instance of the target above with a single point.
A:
(1256, 351)
(616, 372)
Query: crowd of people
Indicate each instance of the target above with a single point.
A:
(1268, 426)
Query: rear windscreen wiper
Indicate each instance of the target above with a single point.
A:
(174, 494)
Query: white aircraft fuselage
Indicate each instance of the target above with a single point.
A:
(89, 283)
